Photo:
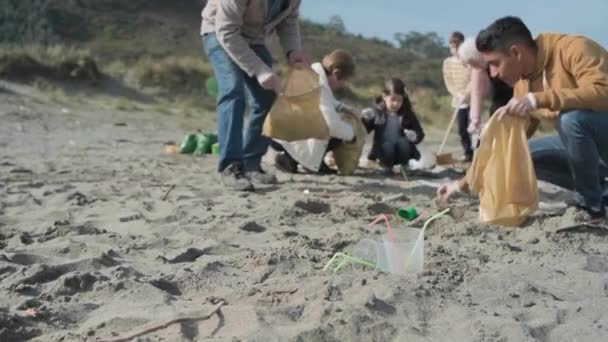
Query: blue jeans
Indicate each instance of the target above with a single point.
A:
(577, 158)
(234, 87)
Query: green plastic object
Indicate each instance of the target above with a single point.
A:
(408, 213)
(211, 87)
(204, 143)
(215, 149)
(188, 145)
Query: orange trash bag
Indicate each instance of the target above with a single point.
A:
(502, 173)
(296, 113)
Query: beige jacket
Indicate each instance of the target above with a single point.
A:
(457, 79)
(239, 24)
(571, 73)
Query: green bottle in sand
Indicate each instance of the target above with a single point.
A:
(204, 143)
(188, 145)
(215, 149)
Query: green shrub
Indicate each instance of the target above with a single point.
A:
(176, 75)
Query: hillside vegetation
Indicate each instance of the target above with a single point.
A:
(154, 46)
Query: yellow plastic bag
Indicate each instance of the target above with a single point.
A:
(296, 115)
(502, 173)
(347, 154)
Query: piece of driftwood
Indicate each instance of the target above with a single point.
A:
(165, 324)
(579, 226)
(168, 191)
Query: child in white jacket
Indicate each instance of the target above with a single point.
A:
(333, 72)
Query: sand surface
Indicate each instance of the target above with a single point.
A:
(89, 250)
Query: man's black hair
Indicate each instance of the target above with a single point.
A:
(502, 34)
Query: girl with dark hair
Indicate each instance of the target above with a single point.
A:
(396, 128)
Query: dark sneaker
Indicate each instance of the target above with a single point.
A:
(387, 171)
(324, 169)
(261, 177)
(595, 214)
(285, 163)
(234, 179)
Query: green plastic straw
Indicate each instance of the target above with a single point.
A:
(346, 259)
(434, 217)
(421, 234)
(402, 169)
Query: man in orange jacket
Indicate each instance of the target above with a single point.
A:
(562, 78)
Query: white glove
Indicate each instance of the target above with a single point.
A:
(410, 135)
(474, 126)
(269, 81)
(475, 137)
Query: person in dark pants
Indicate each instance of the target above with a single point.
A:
(482, 85)
(457, 79)
(462, 120)
(396, 128)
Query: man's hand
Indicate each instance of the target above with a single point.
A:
(269, 81)
(296, 57)
(446, 191)
(517, 106)
(410, 135)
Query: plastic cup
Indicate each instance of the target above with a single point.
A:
(408, 213)
(367, 249)
(404, 255)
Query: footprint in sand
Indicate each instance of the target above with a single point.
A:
(252, 227)
(596, 264)
(167, 286)
(313, 206)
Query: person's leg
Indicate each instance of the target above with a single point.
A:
(584, 136)
(230, 102)
(551, 161)
(465, 137)
(324, 169)
(276, 146)
(403, 151)
(387, 155)
(283, 160)
(333, 144)
(260, 102)
(604, 181)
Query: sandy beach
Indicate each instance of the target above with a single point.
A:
(102, 233)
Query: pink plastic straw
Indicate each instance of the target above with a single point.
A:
(389, 229)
